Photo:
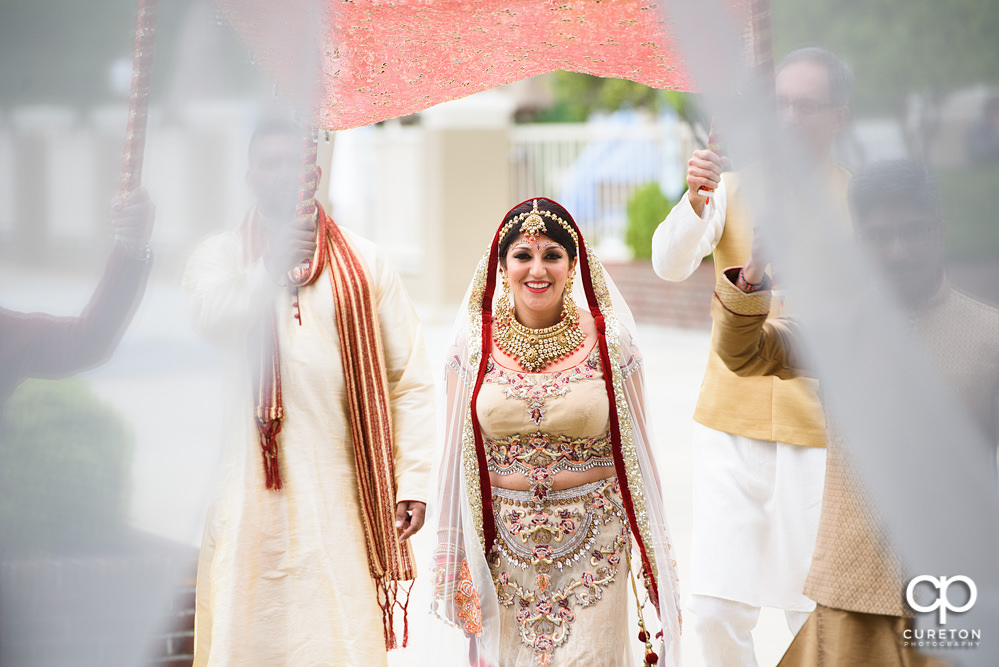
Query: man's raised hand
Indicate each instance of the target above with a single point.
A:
(291, 245)
(132, 221)
(704, 170)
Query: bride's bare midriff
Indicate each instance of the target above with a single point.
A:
(566, 479)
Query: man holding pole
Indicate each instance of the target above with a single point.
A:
(759, 443)
(306, 556)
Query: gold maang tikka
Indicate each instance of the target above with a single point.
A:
(534, 224)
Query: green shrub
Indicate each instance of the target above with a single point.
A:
(65, 466)
(647, 208)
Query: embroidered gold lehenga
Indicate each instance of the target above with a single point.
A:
(539, 577)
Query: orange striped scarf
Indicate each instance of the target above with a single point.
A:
(389, 560)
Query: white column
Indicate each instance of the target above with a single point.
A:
(39, 137)
(468, 189)
(6, 181)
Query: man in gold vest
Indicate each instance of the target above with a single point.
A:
(759, 442)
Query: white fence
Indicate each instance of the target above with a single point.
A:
(594, 168)
(58, 168)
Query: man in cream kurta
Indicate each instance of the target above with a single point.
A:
(283, 578)
(759, 456)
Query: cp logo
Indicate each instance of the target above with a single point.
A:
(942, 602)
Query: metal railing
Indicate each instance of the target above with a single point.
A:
(593, 168)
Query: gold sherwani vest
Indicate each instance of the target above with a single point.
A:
(855, 567)
(765, 408)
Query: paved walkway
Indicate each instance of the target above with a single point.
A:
(165, 381)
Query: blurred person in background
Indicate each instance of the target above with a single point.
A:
(305, 554)
(64, 468)
(856, 576)
(36, 345)
(759, 443)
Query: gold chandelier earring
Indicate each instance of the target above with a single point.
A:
(569, 311)
(503, 311)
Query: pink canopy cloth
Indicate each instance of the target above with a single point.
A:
(371, 60)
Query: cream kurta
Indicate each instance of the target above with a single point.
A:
(283, 575)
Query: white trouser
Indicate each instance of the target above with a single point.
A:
(722, 630)
(756, 509)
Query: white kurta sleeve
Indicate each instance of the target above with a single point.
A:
(410, 381)
(683, 239)
(225, 296)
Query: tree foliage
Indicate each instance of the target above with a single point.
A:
(579, 95)
(894, 47)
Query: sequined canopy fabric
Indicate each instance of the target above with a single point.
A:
(380, 59)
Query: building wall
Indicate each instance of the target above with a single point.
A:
(685, 305)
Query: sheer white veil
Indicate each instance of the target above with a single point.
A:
(464, 594)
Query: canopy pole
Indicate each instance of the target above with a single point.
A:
(138, 102)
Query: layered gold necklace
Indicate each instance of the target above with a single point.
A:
(537, 348)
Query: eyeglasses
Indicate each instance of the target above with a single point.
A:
(802, 107)
(912, 234)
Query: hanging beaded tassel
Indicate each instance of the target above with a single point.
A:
(651, 657)
(503, 305)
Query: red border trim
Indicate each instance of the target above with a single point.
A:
(615, 425)
(485, 486)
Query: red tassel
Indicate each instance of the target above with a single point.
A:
(405, 616)
(389, 596)
(269, 449)
(385, 603)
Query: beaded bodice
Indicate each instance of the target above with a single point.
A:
(539, 424)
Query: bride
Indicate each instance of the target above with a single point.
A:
(549, 497)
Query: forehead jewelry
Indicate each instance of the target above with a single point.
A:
(532, 224)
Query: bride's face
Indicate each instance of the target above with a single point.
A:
(537, 271)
